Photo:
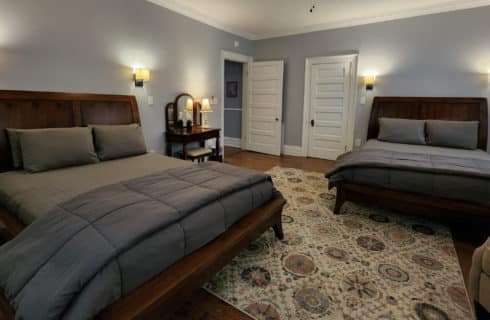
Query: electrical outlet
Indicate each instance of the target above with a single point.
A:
(363, 100)
(150, 100)
(357, 143)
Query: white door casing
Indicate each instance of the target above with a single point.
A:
(264, 109)
(330, 93)
(246, 60)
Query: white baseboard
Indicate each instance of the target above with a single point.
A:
(296, 151)
(233, 142)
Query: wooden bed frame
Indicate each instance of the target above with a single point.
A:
(461, 109)
(164, 293)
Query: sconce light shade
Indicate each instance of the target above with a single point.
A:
(189, 105)
(206, 106)
(140, 76)
(369, 81)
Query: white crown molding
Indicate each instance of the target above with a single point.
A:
(173, 5)
(450, 6)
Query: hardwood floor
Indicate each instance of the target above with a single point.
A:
(204, 306)
(264, 162)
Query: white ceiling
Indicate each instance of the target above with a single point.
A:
(261, 19)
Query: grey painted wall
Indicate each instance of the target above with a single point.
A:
(92, 45)
(233, 118)
(438, 55)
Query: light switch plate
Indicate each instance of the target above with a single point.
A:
(363, 100)
(150, 100)
(214, 100)
(357, 143)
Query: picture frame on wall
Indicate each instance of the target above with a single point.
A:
(232, 89)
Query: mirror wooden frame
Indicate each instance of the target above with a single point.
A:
(172, 112)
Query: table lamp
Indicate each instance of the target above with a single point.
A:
(205, 109)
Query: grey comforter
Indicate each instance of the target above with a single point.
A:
(88, 252)
(439, 175)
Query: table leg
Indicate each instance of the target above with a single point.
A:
(168, 147)
(217, 151)
(184, 151)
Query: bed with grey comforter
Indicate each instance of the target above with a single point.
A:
(97, 247)
(441, 172)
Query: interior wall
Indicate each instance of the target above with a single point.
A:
(445, 54)
(233, 118)
(92, 46)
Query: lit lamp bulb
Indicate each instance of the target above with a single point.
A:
(205, 109)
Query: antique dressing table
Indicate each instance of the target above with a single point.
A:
(178, 132)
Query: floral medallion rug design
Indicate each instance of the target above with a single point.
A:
(367, 263)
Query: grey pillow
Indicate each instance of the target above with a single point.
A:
(454, 134)
(118, 141)
(15, 147)
(47, 149)
(406, 131)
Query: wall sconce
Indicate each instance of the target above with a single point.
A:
(369, 82)
(140, 76)
(205, 109)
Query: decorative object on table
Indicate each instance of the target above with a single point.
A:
(231, 89)
(368, 263)
(140, 75)
(189, 108)
(205, 109)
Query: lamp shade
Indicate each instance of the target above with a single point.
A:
(369, 80)
(206, 106)
(142, 74)
(189, 105)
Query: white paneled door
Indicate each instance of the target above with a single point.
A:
(330, 100)
(264, 109)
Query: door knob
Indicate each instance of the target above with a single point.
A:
(277, 119)
(312, 122)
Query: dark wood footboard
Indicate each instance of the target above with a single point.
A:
(167, 291)
(411, 203)
(10, 225)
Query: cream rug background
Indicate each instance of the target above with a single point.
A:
(367, 263)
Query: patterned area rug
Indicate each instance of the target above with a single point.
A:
(367, 263)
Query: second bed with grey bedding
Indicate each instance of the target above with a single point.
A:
(442, 172)
(89, 251)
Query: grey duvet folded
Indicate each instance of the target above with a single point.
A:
(462, 177)
(378, 158)
(90, 251)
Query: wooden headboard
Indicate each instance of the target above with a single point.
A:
(32, 110)
(458, 109)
